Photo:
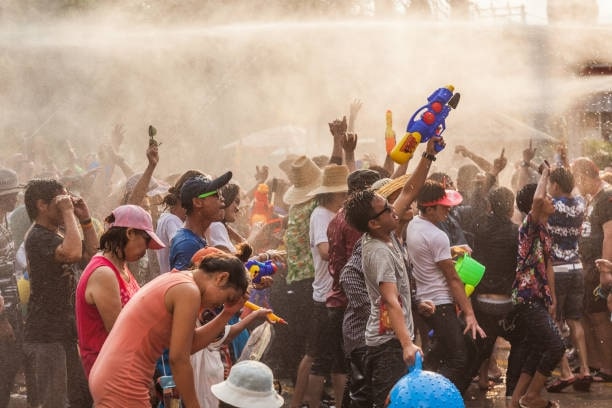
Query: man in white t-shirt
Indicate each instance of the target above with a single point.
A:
(437, 281)
(330, 197)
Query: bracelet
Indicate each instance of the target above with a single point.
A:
(429, 157)
(87, 226)
(84, 222)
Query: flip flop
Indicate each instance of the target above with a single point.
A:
(549, 404)
(559, 385)
(583, 384)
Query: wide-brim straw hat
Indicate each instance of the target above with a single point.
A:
(333, 180)
(304, 176)
(393, 186)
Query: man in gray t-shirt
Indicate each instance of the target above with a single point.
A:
(390, 328)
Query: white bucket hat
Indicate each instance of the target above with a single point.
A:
(249, 385)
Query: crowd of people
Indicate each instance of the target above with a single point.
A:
(124, 288)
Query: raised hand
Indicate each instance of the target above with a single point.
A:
(261, 174)
(349, 142)
(355, 107)
(153, 155)
(117, 135)
(462, 150)
(500, 162)
(529, 153)
(81, 211)
(338, 127)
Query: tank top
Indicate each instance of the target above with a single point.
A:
(90, 326)
(121, 376)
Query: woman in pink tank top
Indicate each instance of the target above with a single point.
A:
(162, 314)
(106, 283)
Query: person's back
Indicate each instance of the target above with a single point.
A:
(126, 362)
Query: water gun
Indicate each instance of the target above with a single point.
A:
(257, 269)
(261, 209)
(430, 123)
(389, 133)
(271, 316)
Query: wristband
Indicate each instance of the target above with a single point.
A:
(84, 222)
(429, 157)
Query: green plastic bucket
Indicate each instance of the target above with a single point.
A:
(470, 271)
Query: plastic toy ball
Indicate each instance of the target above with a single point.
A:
(424, 389)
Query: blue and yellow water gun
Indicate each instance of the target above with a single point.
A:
(430, 123)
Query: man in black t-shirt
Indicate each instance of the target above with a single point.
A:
(53, 248)
(595, 243)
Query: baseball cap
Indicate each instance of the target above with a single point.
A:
(450, 199)
(134, 216)
(196, 186)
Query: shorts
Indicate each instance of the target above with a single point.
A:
(569, 288)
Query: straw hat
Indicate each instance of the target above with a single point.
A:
(393, 186)
(304, 176)
(334, 180)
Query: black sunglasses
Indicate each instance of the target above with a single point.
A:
(387, 208)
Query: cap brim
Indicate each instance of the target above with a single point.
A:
(450, 199)
(328, 189)
(220, 181)
(11, 190)
(156, 242)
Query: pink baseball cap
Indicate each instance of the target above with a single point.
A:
(134, 216)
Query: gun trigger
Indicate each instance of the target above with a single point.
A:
(454, 100)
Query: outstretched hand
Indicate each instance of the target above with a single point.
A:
(355, 107)
(431, 145)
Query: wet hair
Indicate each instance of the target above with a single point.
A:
(380, 170)
(431, 191)
(563, 178)
(229, 192)
(585, 167)
(361, 179)
(114, 239)
(524, 198)
(358, 209)
(501, 200)
(174, 193)
(442, 178)
(40, 189)
(224, 262)
(244, 251)
(324, 199)
(466, 175)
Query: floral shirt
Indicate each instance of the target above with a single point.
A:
(299, 259)
(531, 282)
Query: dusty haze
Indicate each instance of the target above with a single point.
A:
(205, 85)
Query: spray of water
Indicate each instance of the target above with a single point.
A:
(206, 85)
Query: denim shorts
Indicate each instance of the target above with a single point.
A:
(569, 288)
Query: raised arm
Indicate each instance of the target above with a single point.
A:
(142, 186)
(480, 161)
(415, 182)
(338, 130)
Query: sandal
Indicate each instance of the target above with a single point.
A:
(583, 384)
(602, 377)
(559, 385)
(549, 404)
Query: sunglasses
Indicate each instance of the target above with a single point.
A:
(387, 208)
(208, 194)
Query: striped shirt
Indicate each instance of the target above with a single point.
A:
(358, 308)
